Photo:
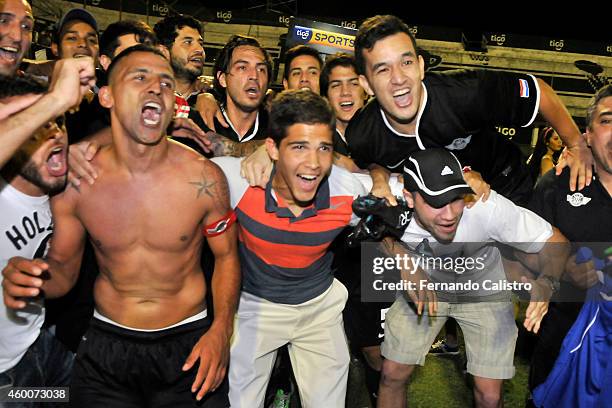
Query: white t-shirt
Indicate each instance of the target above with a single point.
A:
(498, 220)
(25, 229)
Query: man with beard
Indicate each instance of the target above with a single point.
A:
(241, 79)
(72, 78)
(29, 355)
(443, 228)
(146, 215)
(182, 36)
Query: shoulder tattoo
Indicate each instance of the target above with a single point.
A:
(204, 186)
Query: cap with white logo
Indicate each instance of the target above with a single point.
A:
(437, 175)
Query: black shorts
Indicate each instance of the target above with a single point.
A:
(117, 367)
(364, 323)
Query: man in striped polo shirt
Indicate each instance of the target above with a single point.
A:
(289, 295)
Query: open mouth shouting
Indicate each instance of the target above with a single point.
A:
(151, 114)
(253, 92)
(82, 54)
(448, 227)
(57, 165)
(9, 53)
(402, 97)
(347, 106)
(197, 60)
(308, 182)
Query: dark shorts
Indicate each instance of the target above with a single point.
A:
(364, 322)
(117, 367)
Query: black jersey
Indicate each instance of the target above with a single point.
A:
(582, 216)
(459, 107)
(501, 164)
(90, 118)
(340, 145)
(258, 130)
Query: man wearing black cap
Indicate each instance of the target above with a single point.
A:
(76, 36)
(445, 230)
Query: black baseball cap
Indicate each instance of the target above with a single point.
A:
(437, 175)
(78, 14)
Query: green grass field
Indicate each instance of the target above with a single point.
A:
(442, 383)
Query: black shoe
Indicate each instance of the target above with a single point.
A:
(440, 348)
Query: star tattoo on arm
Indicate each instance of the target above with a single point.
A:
(204, 186)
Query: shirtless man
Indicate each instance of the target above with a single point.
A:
(145, 215)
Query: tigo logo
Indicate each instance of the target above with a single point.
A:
(303, 33)
(313, 36)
